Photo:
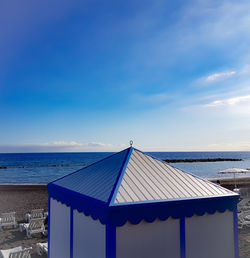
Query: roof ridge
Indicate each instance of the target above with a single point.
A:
(118, 182)
(88, 165)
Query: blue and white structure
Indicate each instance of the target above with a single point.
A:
(133, 205)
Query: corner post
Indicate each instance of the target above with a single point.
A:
(110, 241)
(182, 238)
(71, 231)
(49, 227)
(236, 240)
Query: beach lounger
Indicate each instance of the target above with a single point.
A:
(244, 205)
(35, 214)
(8, 219)
(17, 252)
(42, 248)
(243, 219)
(35, 226)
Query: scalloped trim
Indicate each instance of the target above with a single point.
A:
(149, 212)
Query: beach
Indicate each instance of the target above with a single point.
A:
(23, 198)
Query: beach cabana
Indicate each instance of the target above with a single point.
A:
(131, 205)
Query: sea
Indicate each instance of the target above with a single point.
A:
(41, 168)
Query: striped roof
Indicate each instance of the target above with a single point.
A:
(148, 179)
(96, 180)
(132, 176)
(133, 186)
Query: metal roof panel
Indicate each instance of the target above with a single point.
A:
(97, 180)
(149, 179)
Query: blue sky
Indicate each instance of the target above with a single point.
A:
(91, 75)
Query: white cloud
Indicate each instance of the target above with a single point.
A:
(59, 146)
(98, 144)
(221, 27)
(62, 144)
(219, 76)
(229, 101)
(223, 146)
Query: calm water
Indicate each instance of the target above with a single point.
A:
(45, 167)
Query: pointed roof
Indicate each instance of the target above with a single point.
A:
(131, 178)
(149, 179)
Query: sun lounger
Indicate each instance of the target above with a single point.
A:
(244, 204)
(35, 214)
(35, 226)
(243, 219)
(42, 248)
(17, 252)
(8, 219)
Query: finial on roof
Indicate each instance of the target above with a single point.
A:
(131, 143)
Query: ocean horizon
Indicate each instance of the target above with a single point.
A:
(42, 168)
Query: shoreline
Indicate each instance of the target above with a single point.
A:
(241, 180)
(22, 187)
(230, 180)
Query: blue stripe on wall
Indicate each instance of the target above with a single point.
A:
(236, 243)
(71, 231)
(182, 238)
(110, 241)
(49, 227)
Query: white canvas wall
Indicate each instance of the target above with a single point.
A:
(59, 230)
(89, 237)
(210, 236)
(146, 240)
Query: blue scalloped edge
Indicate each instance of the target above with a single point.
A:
(149, 212)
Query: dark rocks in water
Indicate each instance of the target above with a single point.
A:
(3, 167)
(199, 160)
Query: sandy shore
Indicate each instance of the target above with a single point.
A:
(229, 183)
(23, 198)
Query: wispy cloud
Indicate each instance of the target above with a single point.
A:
(99, 145)
(221, 27)
(223, 146)
(58, 146)
(229, 101)
(242, 71)
(219, 76)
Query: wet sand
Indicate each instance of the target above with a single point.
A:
(23, 198)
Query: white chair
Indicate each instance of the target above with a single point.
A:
(42, 248)
(35, 226)
(244, 205)
(17, 252)
(8, 219)
(243, 219)
(35, 214)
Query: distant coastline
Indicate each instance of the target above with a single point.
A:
(200, 160)
(41, 166)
